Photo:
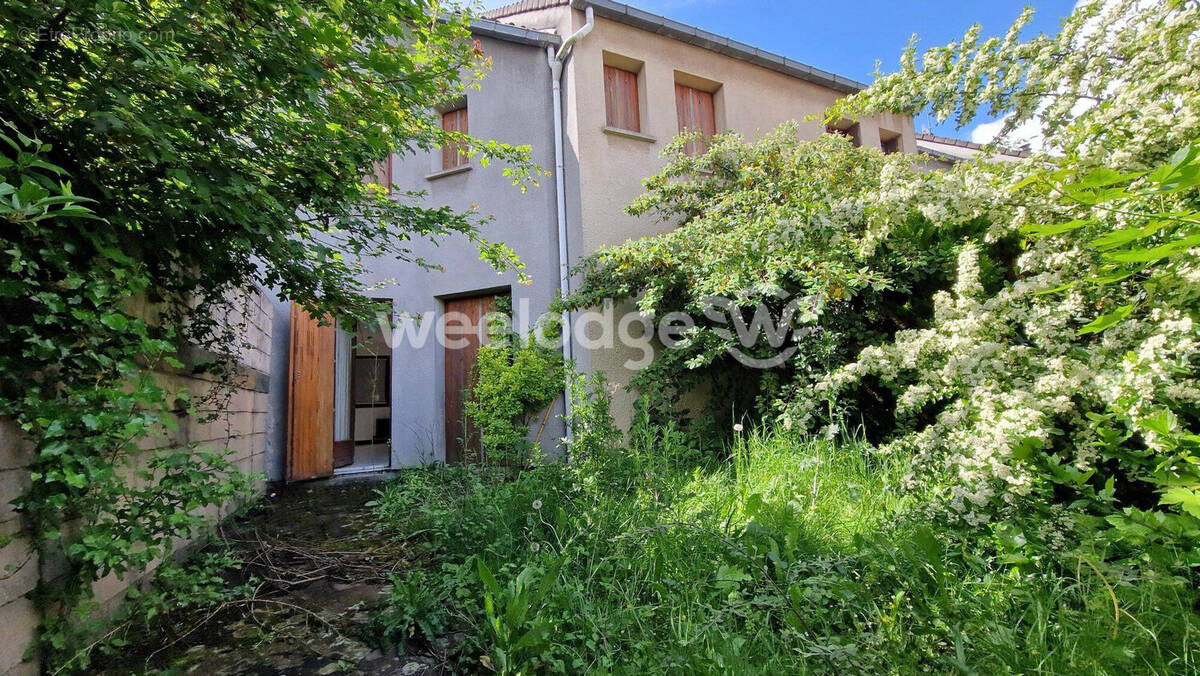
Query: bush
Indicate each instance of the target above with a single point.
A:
(516, 378)
(758, 241)
(794, 556)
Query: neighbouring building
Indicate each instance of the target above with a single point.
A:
(942, 152)
(630, 81)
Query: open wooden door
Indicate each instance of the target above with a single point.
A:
(465, 331)
(310, 398)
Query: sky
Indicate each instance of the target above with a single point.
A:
(848, 38)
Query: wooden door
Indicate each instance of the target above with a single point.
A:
(464, 331)
(310, 398)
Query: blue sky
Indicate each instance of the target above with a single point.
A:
(847, 38)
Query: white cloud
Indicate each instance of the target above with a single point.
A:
(1027, 133)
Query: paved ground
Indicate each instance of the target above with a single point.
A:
(319, 562)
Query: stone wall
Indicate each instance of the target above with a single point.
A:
(240, 425)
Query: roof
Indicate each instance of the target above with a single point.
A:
(510, 33)
(521, 7)
(632, 16)
(957, 150)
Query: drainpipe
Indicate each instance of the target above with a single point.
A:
(555, 61)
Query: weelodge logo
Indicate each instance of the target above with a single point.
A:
(763, 333)
(759, 336)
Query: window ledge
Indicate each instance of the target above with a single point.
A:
(447, 172)
(626, 133)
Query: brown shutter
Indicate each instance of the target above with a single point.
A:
(383, 172)
(310, 398)
(694, 111)
(621, 99)
(455, 120)
(462, 437)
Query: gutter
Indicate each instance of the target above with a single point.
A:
(555, 59)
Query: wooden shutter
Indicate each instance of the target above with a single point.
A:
(621, 99)
(310, 398)
(452, 155)
(694, 109)
(381, 173)
(462, 437)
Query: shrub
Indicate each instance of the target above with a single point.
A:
(516, 378)
(1069, 390)
(774, 229)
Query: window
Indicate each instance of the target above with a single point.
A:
(452, 154)
(889, 142)
(849, 130)
(621, 99)
(381, 173)
(695, 111)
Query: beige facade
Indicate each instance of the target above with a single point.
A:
(753, 93)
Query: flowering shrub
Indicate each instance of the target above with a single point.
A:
(766, 262)
(1073, 383)
(1032, 325)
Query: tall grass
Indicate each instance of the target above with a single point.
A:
(788, 555)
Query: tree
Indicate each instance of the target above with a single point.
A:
(755, 246)
(227, 142)
(184, 151)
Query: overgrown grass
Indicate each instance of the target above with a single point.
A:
(787, 556)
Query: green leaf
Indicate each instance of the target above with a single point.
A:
(1155, 254)
(1185, 498)
(1117, 238)
(1106, 320)
(1103, 176)
(115, 321)
(1055, 229)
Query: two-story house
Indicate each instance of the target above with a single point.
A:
(625, 82)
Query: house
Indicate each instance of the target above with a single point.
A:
(942, 152)
(625, 82)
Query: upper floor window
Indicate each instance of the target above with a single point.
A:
(621, 99)
(889, 141)
(452, 153)
(848, 129)
(694, 108)
(381, 173)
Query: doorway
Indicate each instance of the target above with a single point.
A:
(339, 398)
(464, 331)
(362, 401)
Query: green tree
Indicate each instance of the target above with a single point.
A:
(183, 152)
(754, 231)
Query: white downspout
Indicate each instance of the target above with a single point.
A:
(555, 61)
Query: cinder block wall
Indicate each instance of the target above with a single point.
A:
(240, 425)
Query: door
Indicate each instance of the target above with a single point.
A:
(310, 398)
(464, 331)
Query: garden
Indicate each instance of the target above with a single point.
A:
(981, 454)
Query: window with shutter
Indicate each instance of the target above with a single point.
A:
(452, 154)
(621, 99)
(694, 109)
(382, 173)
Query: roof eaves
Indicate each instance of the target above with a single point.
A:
(654, 23)
(521, 7)
(938, 154)
(947, 141)
(509, 33)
